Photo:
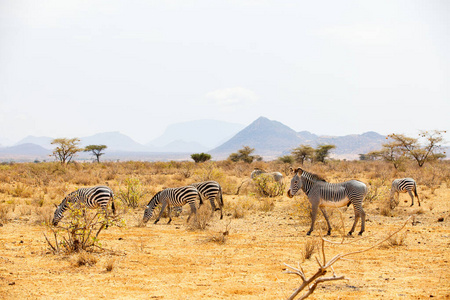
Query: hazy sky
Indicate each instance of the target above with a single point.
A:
(77, 68)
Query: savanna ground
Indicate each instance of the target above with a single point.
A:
(239, 257)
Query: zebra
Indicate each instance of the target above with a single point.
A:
(403, 185)
(277, 176)
(322, 194)
(213, 191)
(91, 197)
(173, 197)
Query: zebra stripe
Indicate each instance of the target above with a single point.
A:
(322, 194)
(403, 185)
(212, 191)
(91, 197)
(172, 197)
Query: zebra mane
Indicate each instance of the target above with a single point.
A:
(155, 197)
(312, 176)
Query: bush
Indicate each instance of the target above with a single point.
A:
(80, 230)
(200, 157)
(133, 192)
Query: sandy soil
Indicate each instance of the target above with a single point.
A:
(171, 262)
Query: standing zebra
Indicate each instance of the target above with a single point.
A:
(173, 197)
(322, 194)
(403, 185)
(91, 197)
(211, 190)
(277, 176)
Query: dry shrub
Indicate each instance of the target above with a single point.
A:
(21, 190)
(239, 208)
(308, 248)
(266, 186)
(200, 221)
(23, 210)
(302, 209)
(109, 265)
(395, 240)
(133, 192)
(267, 204)
(85, 259)
(4, 211)
(44, 215)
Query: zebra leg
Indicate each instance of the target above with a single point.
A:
(412, 197)
(314, 209)
(324, 212)
(163, 207)
(193, 211)
(363, 221)
(170, 214)
(213, 206)
(356, 220)
(415, 193)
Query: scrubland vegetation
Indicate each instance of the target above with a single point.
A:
(239, 257)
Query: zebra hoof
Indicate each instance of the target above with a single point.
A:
(156, 221)
(349, 234)
(329, 232)
(308, 233)
(360, 233)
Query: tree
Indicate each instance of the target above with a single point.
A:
(322, 152)
(287, 159)
(244, 155)
(66, 149)
(390, 153)
(420, 152)
(303, 153)
(96, 150)
(200, 157)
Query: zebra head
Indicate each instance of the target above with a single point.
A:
(148, 213)
(296, 182)
(57, 216)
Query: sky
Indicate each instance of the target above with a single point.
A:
(77, 68)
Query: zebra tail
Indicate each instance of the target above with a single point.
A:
(415, 190)
(200, 197)
(113, 207)
(220, 196)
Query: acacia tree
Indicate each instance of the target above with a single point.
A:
(390, 153)
(96, 150)
(200, 157)
(322, 152)
(420, 152)
(244, 154)
(303, 153)
(66, 149)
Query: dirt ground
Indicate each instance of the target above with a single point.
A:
(171, 262)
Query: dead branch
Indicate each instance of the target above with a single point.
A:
(316, 278)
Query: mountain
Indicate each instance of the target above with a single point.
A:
(43, 141)
(205, 133)
(24, 152)
(115, 141)
(268, 138)
(272, 139)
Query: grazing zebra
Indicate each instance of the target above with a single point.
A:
(173, 197)
(213, 191)
(322, 194)
(92, 197)
(277, 176)
(403, 185)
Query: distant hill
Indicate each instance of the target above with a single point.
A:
(43, 141)
(206, 134)
(269, 138)
(272, 139)
(24, 152)
(115, 141)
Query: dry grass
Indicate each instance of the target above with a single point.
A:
(174, 262)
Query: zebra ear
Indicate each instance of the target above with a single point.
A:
(55, 205)
(299, 171)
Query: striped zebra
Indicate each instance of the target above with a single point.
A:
(213, 191)
(277, 176)
(91, 197)
(173, 197)
(403, 185)
(322, 194)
